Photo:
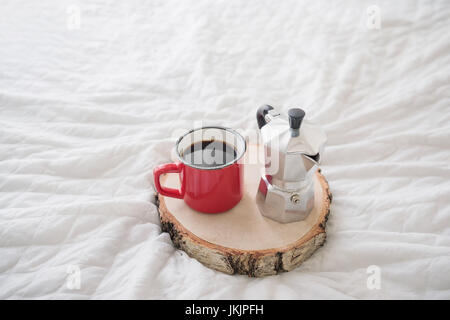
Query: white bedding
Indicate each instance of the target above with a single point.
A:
(86, 114)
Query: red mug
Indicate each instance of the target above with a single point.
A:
(210, 168)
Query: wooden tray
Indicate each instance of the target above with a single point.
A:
(241, 240)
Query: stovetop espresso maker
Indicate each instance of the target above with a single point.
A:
(293, 148)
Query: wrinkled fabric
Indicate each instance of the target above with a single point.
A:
(93, 95)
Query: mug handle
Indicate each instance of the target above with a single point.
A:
(168, 168)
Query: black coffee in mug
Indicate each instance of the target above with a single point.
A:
(209, 153)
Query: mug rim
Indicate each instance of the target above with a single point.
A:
(215, 167)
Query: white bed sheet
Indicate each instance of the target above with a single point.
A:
(86, 113)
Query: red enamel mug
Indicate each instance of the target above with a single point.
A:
(210, 169)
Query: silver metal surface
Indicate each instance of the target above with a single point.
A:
(288, 194)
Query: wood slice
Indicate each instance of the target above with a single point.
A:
(241, 240)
